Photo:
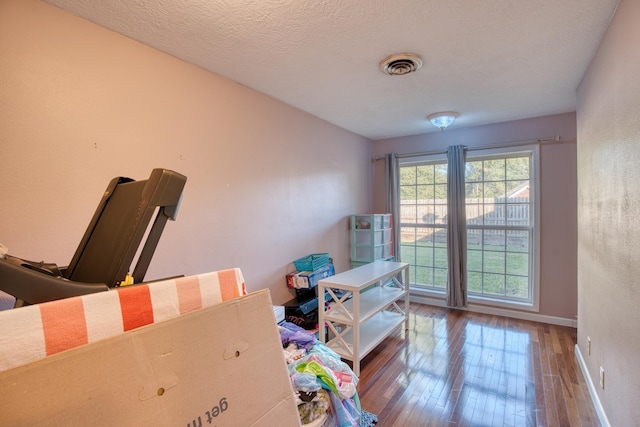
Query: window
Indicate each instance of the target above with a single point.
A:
(423, 217)
(502, 239)
(499, 225)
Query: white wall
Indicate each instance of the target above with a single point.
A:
(608, 120)
(558, 229)
(266, 184)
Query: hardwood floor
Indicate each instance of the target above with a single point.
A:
(458, 368)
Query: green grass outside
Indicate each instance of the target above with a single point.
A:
(499, 272)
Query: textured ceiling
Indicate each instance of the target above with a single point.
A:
(489, 60)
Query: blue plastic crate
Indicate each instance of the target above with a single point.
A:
(311, 262)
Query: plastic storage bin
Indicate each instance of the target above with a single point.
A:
(311, 262)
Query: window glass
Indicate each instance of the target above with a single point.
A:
(500, 227)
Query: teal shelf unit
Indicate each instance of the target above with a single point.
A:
(371, 238)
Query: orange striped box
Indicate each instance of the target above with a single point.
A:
(220, 365)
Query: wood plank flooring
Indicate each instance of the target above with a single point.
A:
(457, 368)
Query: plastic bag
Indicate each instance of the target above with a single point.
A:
(304, 381)
(345, 411)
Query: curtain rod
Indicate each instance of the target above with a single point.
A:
(555, 138)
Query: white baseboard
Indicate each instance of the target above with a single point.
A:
(602, 416)
(534, 317)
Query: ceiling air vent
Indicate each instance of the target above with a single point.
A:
(401, 64)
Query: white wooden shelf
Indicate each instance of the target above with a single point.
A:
(371, 334)
(365, 311)
(370, 303)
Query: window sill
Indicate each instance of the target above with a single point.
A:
(438, 298)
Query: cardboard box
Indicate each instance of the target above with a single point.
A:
(309, 279)
(219, 366)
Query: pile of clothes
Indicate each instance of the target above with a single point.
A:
(324, 384)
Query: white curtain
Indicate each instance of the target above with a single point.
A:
(392, 180)
(456, 228)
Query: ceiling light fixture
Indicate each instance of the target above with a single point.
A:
(443, 119)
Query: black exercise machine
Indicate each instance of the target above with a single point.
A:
(107, 250)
